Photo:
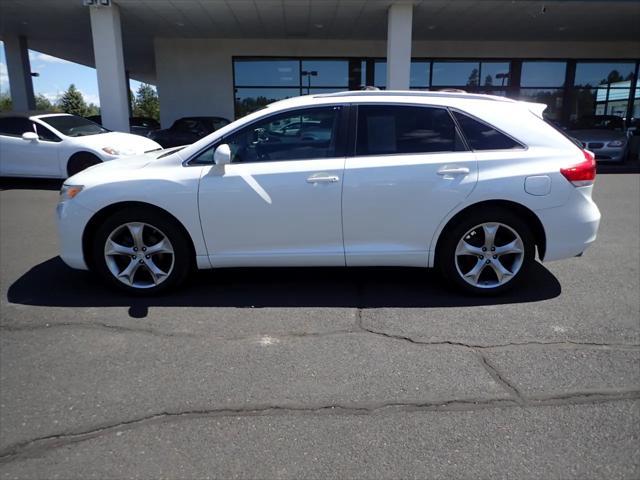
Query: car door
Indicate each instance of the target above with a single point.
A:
(38, 158)
(410, 168)
(279, 201)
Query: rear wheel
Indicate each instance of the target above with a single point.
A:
(141, 251)
(81, 161)
(487, 253)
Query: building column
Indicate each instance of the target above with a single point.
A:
(19, 69)
(107, 50)
(399, 26)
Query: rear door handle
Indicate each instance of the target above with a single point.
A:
(453, 171)
(322, 178)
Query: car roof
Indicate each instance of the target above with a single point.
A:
(29, 114)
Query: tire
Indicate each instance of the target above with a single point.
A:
(81, 161)
(469, 268)
(141, 251)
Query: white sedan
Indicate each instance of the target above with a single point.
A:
(471, 184)
(59, 145)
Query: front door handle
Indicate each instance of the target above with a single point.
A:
(322, 178)
(453, 171)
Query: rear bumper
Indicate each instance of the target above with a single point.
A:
(72, 219)
(571, 228)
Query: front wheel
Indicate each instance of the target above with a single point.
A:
(141, 252)
(487, 253)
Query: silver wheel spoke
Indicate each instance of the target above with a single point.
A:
(156, 273)
(476, 271)
(501, 272)
(512, 247)
(163, 246)
(128, 273)
(135, 229)
(113, 248)
(465, 248)
(489, 230)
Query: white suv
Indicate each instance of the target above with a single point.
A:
(471, 184)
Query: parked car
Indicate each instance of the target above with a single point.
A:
(57, 145)
(187, 130)
(471, 184)
(137, 125)
(604, 135)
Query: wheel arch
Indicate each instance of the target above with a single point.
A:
(79, 154)
(532, 220)
(101, 215)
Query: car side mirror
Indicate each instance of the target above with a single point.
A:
(30, 136)
(222, 155)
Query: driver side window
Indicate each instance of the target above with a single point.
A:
(296, 135)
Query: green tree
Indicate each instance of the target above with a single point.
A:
(146, 103)
(474, 78)
(5, 102)
(44, 104)
(488, 80)
(73, 102)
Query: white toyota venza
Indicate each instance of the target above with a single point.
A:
(58, 145)
(471, 184)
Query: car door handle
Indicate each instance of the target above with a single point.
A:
(453, 171)
(323, 178)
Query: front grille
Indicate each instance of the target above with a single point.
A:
(596, 145)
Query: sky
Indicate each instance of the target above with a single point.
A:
(56, 75)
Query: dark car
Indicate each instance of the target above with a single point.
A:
(604, 135)
(187, 130)
(137, 125)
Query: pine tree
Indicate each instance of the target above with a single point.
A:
(146, 102)
(72, 102)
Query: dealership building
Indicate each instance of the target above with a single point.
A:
(228, 57)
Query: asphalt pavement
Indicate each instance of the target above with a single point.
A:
(319, 373)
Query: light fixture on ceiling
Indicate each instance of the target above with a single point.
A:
(318, 25)
(431, 27)
(180, 24)
(97, 3)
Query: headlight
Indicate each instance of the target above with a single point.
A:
(70, 191)
(111, 151)
(615, 143)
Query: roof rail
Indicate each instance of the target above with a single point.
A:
(412, 93)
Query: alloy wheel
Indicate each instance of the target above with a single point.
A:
(139, 255)
(489, 255)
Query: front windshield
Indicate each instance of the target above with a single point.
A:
(73, 126)
(599, 122)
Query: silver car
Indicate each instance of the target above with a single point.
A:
(604, 135)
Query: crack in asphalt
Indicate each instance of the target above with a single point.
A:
(501, 380)
(40, 445)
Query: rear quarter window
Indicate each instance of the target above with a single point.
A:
(482, 136)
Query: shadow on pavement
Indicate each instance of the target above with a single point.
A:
(29, 184)
(52, 283)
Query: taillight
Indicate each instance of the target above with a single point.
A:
(584, 173)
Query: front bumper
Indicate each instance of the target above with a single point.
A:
(72, 219)
(572, 227)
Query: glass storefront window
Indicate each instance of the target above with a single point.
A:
(591, 74)
(543, 74)
(419, 75)
(267, 73)
(329, 73)
(249, 100)
(380, 73)
(456, 74)
(551, 96)
(494, 74)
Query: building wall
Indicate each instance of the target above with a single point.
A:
(195, 76)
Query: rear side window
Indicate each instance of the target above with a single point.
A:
(391, 129)
(15, 126)
(481, 136)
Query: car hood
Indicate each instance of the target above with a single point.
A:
(597, 135)
(125, 143)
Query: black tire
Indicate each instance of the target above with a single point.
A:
(81, 161)
(447, 262)
(156, 224)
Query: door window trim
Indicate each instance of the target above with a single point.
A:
(356, 116)
(341, 141)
